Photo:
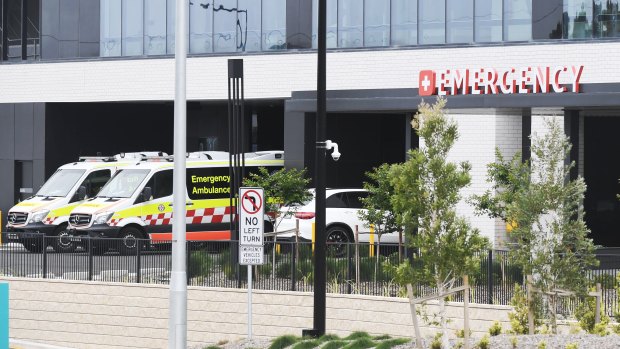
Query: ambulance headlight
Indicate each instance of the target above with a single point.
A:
(38, 216)
(102, 218)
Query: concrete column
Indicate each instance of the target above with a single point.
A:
(294, 135)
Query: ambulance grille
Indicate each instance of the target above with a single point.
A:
(17, 218)
(77, 219)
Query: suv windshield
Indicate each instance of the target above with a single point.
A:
(60, 183)
(123, 184)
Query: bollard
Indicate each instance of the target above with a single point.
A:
(4, 314)
(371, 242)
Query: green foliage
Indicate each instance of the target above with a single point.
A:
(571, 346)
(328, 337)
(495, 329)
(306, 344)
(381, 337)
(545, 210)
(285, 187)
(514, 341)
(585, 312)
(519, 316)
(283, 342)
(356, 335)
(361, 343)
(615, 328)
(378, 203)
(461, 333)
(436, 342)
(542, 345)
(484, 342)
(390, 343)
(334, 344)
(200, 264)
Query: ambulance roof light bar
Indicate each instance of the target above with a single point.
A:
(210, 155)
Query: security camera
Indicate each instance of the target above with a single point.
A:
(333, 145)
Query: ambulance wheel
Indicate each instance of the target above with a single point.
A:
(130, 238)
(62, 242)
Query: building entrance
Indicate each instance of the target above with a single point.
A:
(601, 173)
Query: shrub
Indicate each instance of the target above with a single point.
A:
(542, 345)
(308, 344)
(461, 333)
(513, 342)
(361, 343)
(436, 342)
(390, 343)
(585, 312)
(357, 335)
(495, 329)
(519, 316)
(484, 342)
(200, 264)
(283, 342)
(571, 346)
(334, 344)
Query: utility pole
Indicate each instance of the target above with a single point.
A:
(177, 325)
(319, 176)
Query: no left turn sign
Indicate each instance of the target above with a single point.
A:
(252, 201)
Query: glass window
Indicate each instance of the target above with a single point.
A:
(170, 25)
(274, 24)
(155, 27)
(332, 24)
(95, 181)
(200, 26)
(606, 18)
(14, 29)
(160, 184)
(432, 22)
(577, 19)
(488, 20)
(377, 23)
(460, 21)
(60, 183)
(123, 184)
(132, 27)
(224, 25)
(248, 30)
(353, 199)
(335, 201)
(350, 23)
(517, 20)
(1, 31)
(404, 22)
(110, 37)
(547, 19)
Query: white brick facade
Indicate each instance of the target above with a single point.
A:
(277, 75)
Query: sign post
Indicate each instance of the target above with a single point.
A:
(251, 227)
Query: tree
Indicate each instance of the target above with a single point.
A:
(426, 192)
(545, 209)
(378, 207)
(285, 187)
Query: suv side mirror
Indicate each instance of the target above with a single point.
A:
(81, 193)
(146, 194)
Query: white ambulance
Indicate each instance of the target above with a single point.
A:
(137, 202)
(47, 212)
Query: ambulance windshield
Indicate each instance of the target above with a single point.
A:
(60, 183)
(123, 184)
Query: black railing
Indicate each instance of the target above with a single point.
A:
(288, 266)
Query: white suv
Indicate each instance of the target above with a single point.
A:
(341, 217)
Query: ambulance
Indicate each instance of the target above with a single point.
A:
(47, 212)
(137, 204)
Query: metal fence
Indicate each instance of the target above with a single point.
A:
(288, 266)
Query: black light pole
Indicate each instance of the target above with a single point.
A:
(319, 177)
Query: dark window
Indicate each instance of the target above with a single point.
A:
(606, 19)
(1, 32)
(95, 181)
(577, 19)
(161, 184)
(547, 19)
(13, 29)
(353, 198)
(335, 201)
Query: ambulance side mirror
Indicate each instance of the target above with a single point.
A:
(81, 193)
(146, 194)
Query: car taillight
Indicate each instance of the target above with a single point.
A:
(304, 215)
